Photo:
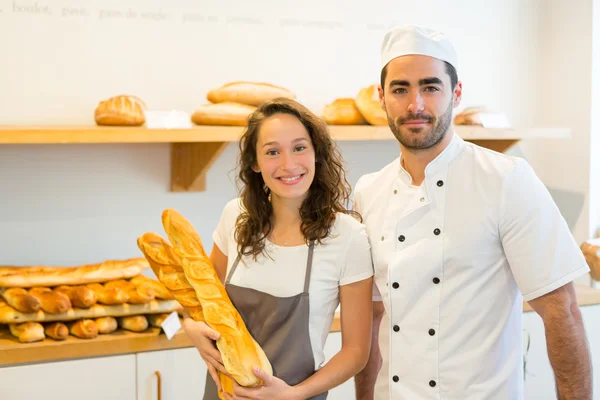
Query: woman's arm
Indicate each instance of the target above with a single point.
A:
(356, 318)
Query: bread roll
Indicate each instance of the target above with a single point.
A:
(20, 299)
(56, 276)
(9, 315)
(84, 329)
(50, 301)
(343, 112)
(156, 320)
(27, 332)
(106, 325)
(250, 93)
(134, 323)
(239, 350)
(470, 116)
(368, 104)
(136, 294)
(57, 331)
(234, 114)
(80, 296)
(592, 257)
(121, 110)
(109, 296)
(159, 289)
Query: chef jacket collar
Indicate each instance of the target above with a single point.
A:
(437, 164)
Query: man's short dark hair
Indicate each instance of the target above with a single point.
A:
(450, 70)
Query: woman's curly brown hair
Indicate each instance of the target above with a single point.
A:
(328, 193)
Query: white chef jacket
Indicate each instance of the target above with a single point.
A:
(454, 259)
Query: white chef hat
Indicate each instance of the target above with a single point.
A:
(413, 39)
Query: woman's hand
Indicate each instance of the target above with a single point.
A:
(273, 388)
(203, 338)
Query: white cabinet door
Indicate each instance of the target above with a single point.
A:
(346, 390)
(91, 379)
(183, 374)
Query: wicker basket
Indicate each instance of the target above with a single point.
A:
(592, 256)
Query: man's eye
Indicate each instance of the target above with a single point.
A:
(400, 90)
(432, 89)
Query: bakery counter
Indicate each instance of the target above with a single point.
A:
(122, 342)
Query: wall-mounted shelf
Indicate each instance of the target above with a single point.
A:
(194, 150)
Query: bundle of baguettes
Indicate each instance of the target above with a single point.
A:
(26, 277)
(233, 102)
(184, 267)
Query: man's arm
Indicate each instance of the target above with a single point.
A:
(566, 341)
(364, 381)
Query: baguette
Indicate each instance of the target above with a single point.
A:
(238, 348)
(56, 331)
(106, 324)
(108, 296)
(159, 289)
(367, 102)
(20, 299)
(9, 315)
(56, 276)
(80, 296)
(156, 320)
(27, 332)
(134, 323)
(50, 301)
(343, 112)
(228, 113)
(83, 329)
(250, 93)
(136, 294)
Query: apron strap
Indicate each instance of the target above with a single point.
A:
(233, 268)
(311, 247)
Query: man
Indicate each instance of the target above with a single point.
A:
(460, 236)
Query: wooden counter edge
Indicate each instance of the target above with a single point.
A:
(121, 343)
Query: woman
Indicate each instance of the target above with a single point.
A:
(289, 252)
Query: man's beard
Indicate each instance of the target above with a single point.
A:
(424, 139)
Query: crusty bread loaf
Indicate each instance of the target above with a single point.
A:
(106, 324)
(166, 264)
(239, 350)
(20, 299)
(470, 116)
(228, 113)
(591, 253)
(9, 315)
(27, 332)
(109, 296)
(50, 301)
(136, 294)
(57, 276)
(343, 111)
(250, 93)
(134, 323)
(83, 329)
(156, 320)
(80, 296)
(121, 110)
(367, 102)
(159, 289)
(56, 331)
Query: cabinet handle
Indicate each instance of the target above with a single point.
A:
(158, 385)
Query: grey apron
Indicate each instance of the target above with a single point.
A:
(280, 326)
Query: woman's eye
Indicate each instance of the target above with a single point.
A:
(300, 148)
(272, 152)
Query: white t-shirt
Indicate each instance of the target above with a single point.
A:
(342, 259)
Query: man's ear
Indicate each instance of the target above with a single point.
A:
(457, 94)
(381, 97)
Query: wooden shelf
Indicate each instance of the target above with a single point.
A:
(194, 150)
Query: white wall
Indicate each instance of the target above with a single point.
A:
(595, 131)
(70, 204)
